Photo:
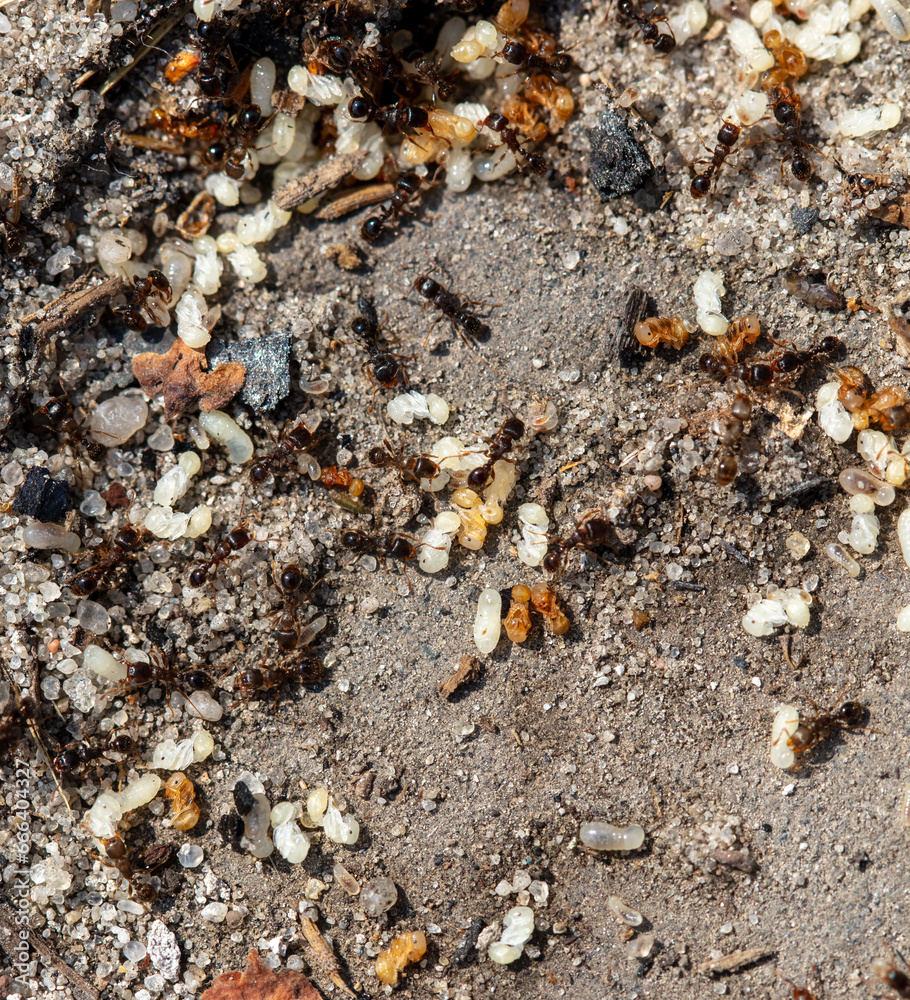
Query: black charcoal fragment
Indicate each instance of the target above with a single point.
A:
(45, 499)
(619, 163)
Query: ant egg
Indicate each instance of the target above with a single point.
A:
(340, 829)
(606, 837)
(406, 948)
(101, 662)
(622, 911)
(534, 526)
(226, 431)
(841, 557)
(50, 536)
(708, 289)
(903, 534)
(833, 417)
(782, 729)
(764, 617)
(487, 625)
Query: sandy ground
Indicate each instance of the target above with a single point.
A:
(665, 725)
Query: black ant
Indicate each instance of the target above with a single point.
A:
(727, 137)
(412, 467)
(12, 231)
(60, 414)
(392, 544)
(295, 439)
(786, 106)
(114, 552)
(232, 153)
(380, 367)
(153, 284)
(236, 539)
(664, 42)
(406, 187)
(159, 671)
(287, 632)
(508, 435)
(464, 321)
(71, 759)
(404, 119)
(497, 122)
(116, 856)
(304, 670)
(212, 43)
(426, 71)
(590, 533)
(766, 372)
(518, 54)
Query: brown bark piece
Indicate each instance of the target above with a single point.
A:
(735, 960)
(897, 213)
(353, 202)
(258, 982)
(180, 376)
(329, 173)
(469, 668)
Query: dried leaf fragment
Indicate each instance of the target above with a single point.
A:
(258, 982)
(897, 213)
(469, 668)
(180, 376)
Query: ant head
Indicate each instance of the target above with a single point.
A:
(360, 106)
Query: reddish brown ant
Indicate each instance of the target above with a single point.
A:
(302, 670)
(499, 123)
(426, 71)
(114, 553)
(159, 672)
(71, 759)
(406, 187)
(786, 105)
(777, 369)
(287, 632)
(187, 126)
(893, 977)
(664, 42)
(294, 439)
(153, 284)
(809, 733)
(509, 434)
(591, 532)
(729, 429)
(465, 322)
(60, 415)
(236, 539)
(412, 468)
(380, 367)
(727, 137)
(116, 856)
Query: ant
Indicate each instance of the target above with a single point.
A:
(159, 671)
(727, 137)
(403, 119)
(232, 153)
(808, 734)
(115, 552)
(764, 372)
(19, 712)
(786, 106)
(380, 366)
(729, 430)
(518, 54)
(392, 544)
(287, 633)
(187, 126)
(664, 42)
(426, 71)
(304, 671)
(590, 533)
(508, 435)
(60, 414)
(116, 856)
(801, 992)
(297, 438)
(153, 284)
(406, 187)
(71, 759)
(894, 978)
(412, 467)
(236, 539)
(499, 123)
(465, 322)
(12, 231)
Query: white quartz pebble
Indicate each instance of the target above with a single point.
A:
(782, 728)
(227, 432)
(101, 662)
(487, 624)
(201, 705)
(117, 419)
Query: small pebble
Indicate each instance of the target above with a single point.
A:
(190, 856)
(378, 896)
(117, 419)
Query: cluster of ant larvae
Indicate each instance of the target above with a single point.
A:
(600, 836)
(402, 950)
(782, 729)
(820, 33)
(436, 542)
(228, 433)
(779, 608)
(534, 527)
(179, 789)
(708, 289)
(110, 807)
(404, 408)
(162, 520)
(517, 928)
(172, 756)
